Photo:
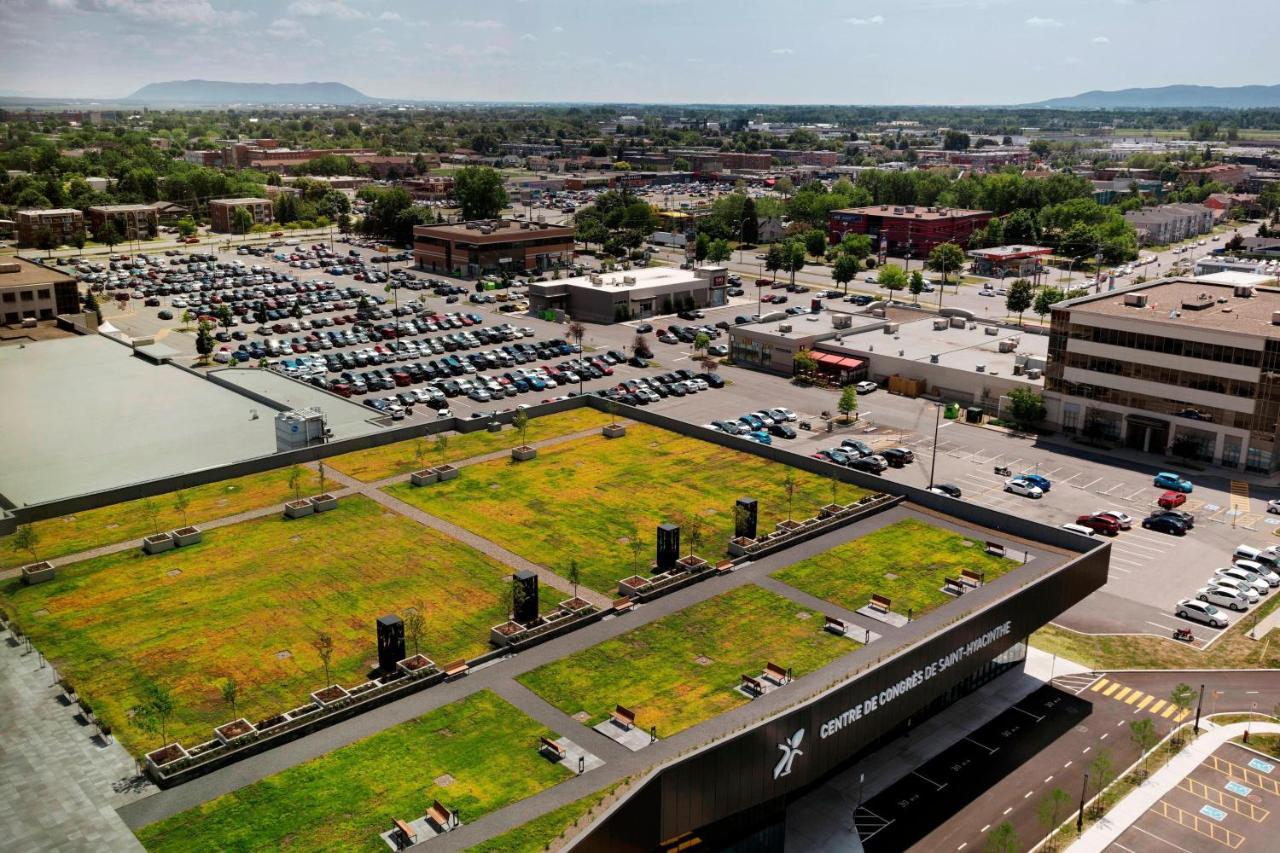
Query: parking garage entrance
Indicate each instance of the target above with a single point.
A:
(1150, 435)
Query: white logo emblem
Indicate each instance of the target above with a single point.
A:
(790, 749)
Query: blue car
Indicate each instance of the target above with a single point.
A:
(760, 436)
(1042, 483)
(1174, 482)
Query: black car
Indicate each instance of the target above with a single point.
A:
(948, 489)
(866, 464)
(782, 431)
(712, 379)
(898, 456)
(165, 315)
(1164, 524)
(1185, 518)
(644, 328)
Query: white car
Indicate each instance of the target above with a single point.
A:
(1258, 583)
(1272, 506)
(1266, 573)
(1222, 596)
(1123, 519)
(786, 413)
(866, 387)
(1077, 528)
(1242, 588)
(1198, 611)
(1022, 487)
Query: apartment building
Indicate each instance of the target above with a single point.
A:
(903, 227)
(1179, 367)
(1170, 223)
(65, 223)
(222, 211)
(474, 248)
(29, 290)
(131, 221)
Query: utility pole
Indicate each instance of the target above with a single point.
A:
(1084, 786)
(1199, 702)
(937, 421)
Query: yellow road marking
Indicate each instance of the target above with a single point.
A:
(1145, 702)
(1122, 694)
(1181, 716)
(1225, 800)
(1102, 682)
(1115, 685)
(1244, 774)
(1160, 703)
(1168, 711)
(1134, 695)
(1196, 823)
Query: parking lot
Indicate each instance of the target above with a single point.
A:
(1227, 802)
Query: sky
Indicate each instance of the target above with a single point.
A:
(643, 51)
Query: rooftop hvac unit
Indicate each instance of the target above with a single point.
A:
(1007, 346)
(1275, 318)
(784, 328)
(841, 321)
(939, 324)
(1033, 372)
(991, 330)
(981, 368)
(1243, 291)
(485, 229)
(891, 328)
(1018, 369)
(933, 358)
(471, 226)
(628, 279)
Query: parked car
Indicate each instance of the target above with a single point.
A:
(1268, 557)
(1171, 500)
(1042, 483)
(865, 387)
(1123, 519)
(1100, 524)
(1269, 575)
(949, 489)
(1022, 487)
(1253, 581)
(1188, 520)
(1198, 611)
(782, 431)
(1164, 524)
(861, 448)
(1077, 528)
(1223, 596)
(897, 456)
(1174, 482)
(1273, 507)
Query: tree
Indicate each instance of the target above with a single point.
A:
(26, 538)
(108, 234)
(750, 230)
(848, 403)
(153, 712)
(225, 316)
(844, 270)
(180, 503)
(442, 448)
(187, 319)
(701, 341)
(78, 240)
(774, 259)
(1052, 808)
(1019, 298)
(1026, 407)
(295, 481)
(46, 241)
(794, 257)
(693, 525)
(204, 342)
(415, 624)
(186, 226)
(815, 242)
(719, 251)
(944, 258)
(916, 285)
(892, 278)
(639, 344)
(857, 246)
(1046, 299)
(1180, 698)
(323, 644)
(805, 363)
(636, 544)
(1102, 770)
(479, 192)
(1002, 839)
(572, 576)
(1143, 734)
(521, 423)
(241, 220)
(789, 488)
(151, 510)
(955, 140)
(701, 246)
(230, 693)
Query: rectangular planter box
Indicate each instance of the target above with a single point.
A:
(445, 472)
(575, 605)
(37, 572)
(187, 536)
(740, 547)
(506, 633)
(157, 543)
(425, 477)
(234, 731)
(166, 755)
(523, 453)
(325, 502)
(691, 564)
(329, 696)
(297, 509)
(613, 430)
(416, 665)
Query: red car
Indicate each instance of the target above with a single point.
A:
(1172, 500)
(1100, 524)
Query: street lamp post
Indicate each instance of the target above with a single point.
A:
(937, 421)
(1084, 786)
(1199, 702)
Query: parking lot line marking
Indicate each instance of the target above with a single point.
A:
(1065, 766)
(1087, 485)
(1159, 838)
(1158, 625)
(1111, 489)
(1244, 774)
(1198, 824)
(1036, 717)
(1115, 685)
(1133, 696)
(1134, 496)
(1101, 683)
(991, 750)
(1145, 702)
(1225, 800)
(937, 785)
(1122, 693)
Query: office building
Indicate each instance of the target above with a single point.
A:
(1170, 223)
(899, 228)
(618, 296)
(29, 290)
(473, 248)
(131, 221)
(64, 223)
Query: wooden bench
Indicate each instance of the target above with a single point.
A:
(454, 668)
(995, 549)
(835, 626)
(775, 673)
(623, 717)
(622, 605)
(881, 603)
(407, 835)
(753, 684)
(971, 578)
(954, 586)
(441, 816)
(554, 748)
(724, 567)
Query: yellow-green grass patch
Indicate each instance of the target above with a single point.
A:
(247, 603)
(907, 561)
(343, 800)
(683, 668)
(402, 457)
(535, 835)
(121, 522)
(580, 499)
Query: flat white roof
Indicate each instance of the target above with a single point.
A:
(633, 279)
(1236, 278)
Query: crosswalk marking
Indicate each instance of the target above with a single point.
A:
(1133, 696)
(1145, 702)
(1168, 711)
(1160, 703)
(1182, 716)
(1102, 682)
(1122, 693)
(1112, 689)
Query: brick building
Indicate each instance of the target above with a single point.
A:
(222, 210)
(474, 248)
(900, 228)
(65, 223)
(131, 221)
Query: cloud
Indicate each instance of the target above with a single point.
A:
(557, 29)
(862, 22)
(782, 51)
(286, 28)
(484, 24)
(185, 13)
(528, 37)
(335, 9)
(389, 16)
(1043, 23)
(1101, 40)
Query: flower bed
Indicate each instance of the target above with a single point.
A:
(330, 695)
(693, 563)
(524, 453)
(364, 688)
(157, 543)
(631, 585)
(425, 477)
(302, 711)
(325, 502)
(166, 755)
(506, 633)
(415, 665)
(574, 605)
(299, 508)
(445, 472)
(187, 536)
(38, 572)
(271, 722)
(234, 730)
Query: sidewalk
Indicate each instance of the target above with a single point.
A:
(1103, 833)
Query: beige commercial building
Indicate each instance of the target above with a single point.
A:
(33, 291)
(619, 296)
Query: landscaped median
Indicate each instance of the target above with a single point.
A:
(475, 756)
(121, 522)
(685, 668)
(249, 603)
(907, 561)
(404, 457)
(585, 499)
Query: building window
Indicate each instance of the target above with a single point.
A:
(1258, 460)
(43, 294)
(10, 297)
(27, 296)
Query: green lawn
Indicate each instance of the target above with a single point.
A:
(342, 800)
(247, 603)
(907, 561)
(123, 521)
(580, 499)
(683, 668)
(400, 458)
(535, 835)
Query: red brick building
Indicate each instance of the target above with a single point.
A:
(222, 212)
(920, 228)
(474, 248)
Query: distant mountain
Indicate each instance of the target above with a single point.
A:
(223, 92)
(1224, 97)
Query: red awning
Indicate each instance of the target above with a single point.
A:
(832, 360)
